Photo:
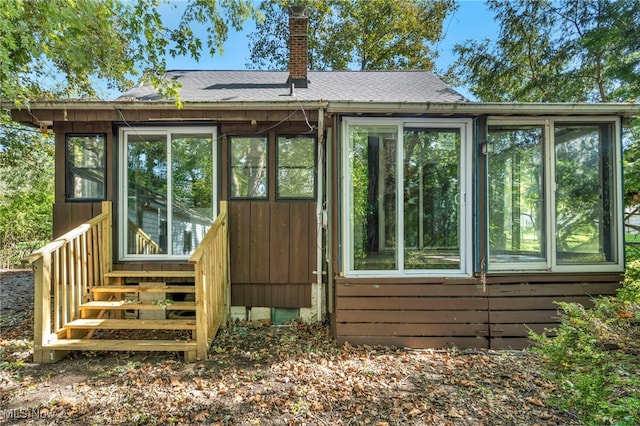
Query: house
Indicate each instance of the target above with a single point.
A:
(384, 202)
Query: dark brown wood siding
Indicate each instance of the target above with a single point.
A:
(68, 215)
(272, 249)
(431, 312)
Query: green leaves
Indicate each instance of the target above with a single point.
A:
(26, 190)
(593, 358)
(573, 51)
(62, 49)
(361, 34)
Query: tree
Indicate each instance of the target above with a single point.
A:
(26, 191)
(61, 48)
(360, 34)
(571, 51)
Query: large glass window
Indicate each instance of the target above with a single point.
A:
(516, 195)
(431, 198)
(249, 167)
(296, 167)
(85, 167)
(372, 155)
(585, 205)
(553, 195)
(169, 202)
(405, 192)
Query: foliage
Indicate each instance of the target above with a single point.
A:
(26, 191)
(60, 48)
(594, 356)
(571, 51)
(360, 34)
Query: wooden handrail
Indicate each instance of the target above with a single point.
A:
(211, 264)
(65, 270)
(65, 238)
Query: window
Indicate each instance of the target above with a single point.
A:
(585, 213)
(249, 167)
(516, 195)
(405, 191)
(85, 167)
(169, 192)
(296, 167)
(553, 202)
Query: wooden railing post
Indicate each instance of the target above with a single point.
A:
(224, 208)
(106, 243)
(42, 306)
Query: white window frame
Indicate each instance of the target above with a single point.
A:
(124, 132)
(551, 264)
(465, 234)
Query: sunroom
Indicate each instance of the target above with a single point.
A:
(464, 230)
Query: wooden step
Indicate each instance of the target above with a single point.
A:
(147, 306)
(132, 324)
(144, 289)
(150, 274)
(120, 345)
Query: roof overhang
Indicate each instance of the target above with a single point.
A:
(471, 109)
(488, 108)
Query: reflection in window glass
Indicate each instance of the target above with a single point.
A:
(147, 194)
(373, 204)
(296, 167)
(85, 167)
(584, 206)
(249, 174)
(170, 191)
(192, 190)
(431, 198)
(515, 185)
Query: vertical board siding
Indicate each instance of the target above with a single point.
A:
(460, 313)
(272, 253)
(239, 242)
(280, 249)
(299, 243)
(259, 248)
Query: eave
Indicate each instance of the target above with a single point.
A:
(59, 108)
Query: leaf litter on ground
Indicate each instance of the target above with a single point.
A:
(257, 374)
(291, 375)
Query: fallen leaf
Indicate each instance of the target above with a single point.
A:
(201, 416)
(175, 382)
(454, 413)
(415, 412)
(535, 401)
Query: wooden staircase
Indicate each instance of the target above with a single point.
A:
(104, 311)
(77, 293)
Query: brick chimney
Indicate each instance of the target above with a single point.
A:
(298, 50)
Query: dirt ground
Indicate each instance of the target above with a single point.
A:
(261, 375)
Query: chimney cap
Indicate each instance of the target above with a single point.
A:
(298, 11)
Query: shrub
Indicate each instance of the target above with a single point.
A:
(593, 359)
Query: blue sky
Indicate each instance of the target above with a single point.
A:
(470, 21)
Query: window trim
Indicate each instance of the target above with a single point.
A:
(313, 196)
(550, 197)
(465, 125)
(68, 190)
(167, 131)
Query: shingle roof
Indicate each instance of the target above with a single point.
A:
(271, 86)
